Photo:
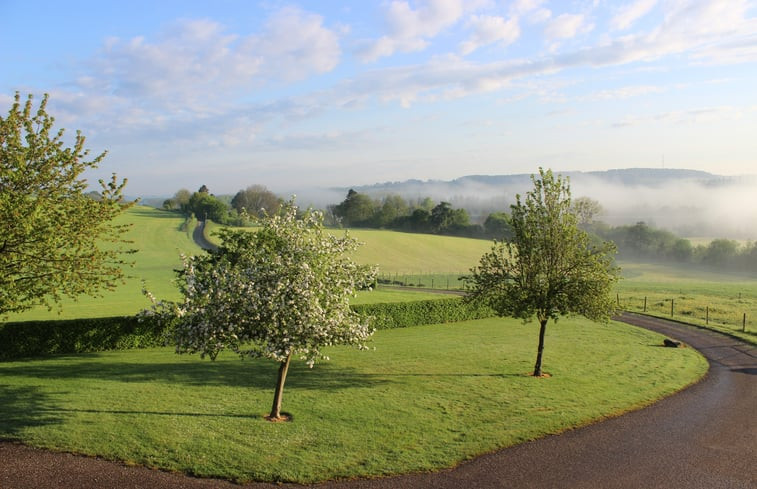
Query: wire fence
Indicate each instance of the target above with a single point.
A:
(437, 281)
(736, 314)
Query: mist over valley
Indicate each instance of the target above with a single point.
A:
(687, 202)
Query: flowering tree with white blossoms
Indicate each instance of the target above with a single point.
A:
(280, 291)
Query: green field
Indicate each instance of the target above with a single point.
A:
(410, 254)
(719, 301)
(445, 392)
(411, 259)
(426, 398)
(160, 240)
(428, 261)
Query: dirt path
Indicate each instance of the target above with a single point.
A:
(703, 437)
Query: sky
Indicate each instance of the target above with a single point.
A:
(321, 94)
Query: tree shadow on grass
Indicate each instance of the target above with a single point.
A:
(231, 372)
(23, 407)
(152, 413)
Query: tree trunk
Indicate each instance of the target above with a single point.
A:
(276, 408)
(540, 351)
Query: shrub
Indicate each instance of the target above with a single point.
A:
(35, 338)
(433, 311)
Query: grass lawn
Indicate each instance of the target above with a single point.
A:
(426, 398)
(157, 236)
(716, 300)
(410, 253)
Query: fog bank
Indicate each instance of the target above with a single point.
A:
(688, 203)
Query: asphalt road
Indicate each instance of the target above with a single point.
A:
(702, 437)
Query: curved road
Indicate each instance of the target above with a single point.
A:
(198, 235)
(702, 437)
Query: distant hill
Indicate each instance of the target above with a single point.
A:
(688, 202)
(649, 177)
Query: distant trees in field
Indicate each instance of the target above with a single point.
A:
(424, 215)
(257, 201)
(641, 241)
(253, 202)
(421, 216)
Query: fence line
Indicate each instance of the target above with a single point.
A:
(427, 280)
(705, 311)
(734, 314)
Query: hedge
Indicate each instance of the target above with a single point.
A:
(417, 313)
(35, 338)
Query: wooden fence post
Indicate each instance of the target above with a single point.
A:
(743, 324)
(707, 317)
(671, 307)
(645, 303)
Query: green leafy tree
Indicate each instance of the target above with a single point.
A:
(52, 230)
(445, 219)
(180, 201)
(206, 206)
(497, 225)
(278, 292)
(356, 209)
(721, 252)
(586, 210)
(256, 200)
(393, 207)
(549, 268)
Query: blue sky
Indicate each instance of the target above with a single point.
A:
(304, 94)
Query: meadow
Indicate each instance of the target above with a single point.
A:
(161, 237)
(723, 302)
(708, 298)
(425, 398)
(445, 393)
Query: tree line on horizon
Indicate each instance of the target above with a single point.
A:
(240, 209)
(638, 241)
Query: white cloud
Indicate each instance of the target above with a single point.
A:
(631, 13)
(197, 61)
(293, 45)
(487, 29)
(625, 92)
(566, 26)
(519, 7)
(409, 29)
(531, 10)
(715, 31)
(539, 16)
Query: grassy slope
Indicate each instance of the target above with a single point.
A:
(396, 252)
(418, 253)
(444, 393)
(160, 241)
(157, 236)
